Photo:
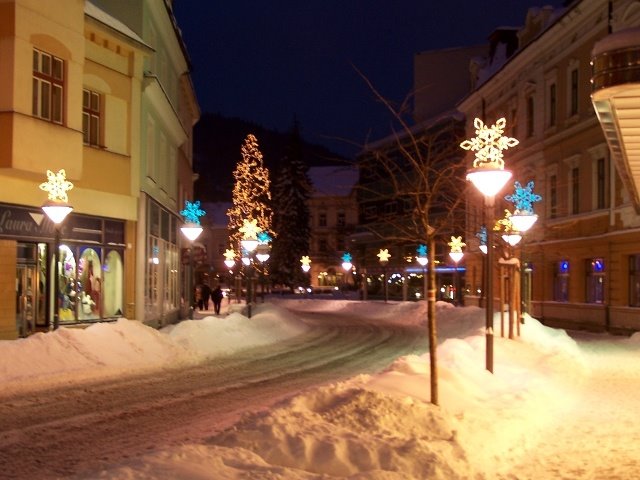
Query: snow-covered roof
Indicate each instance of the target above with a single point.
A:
(101, 16)
(622, 39)
(335, 181)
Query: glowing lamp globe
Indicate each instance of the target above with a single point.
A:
(422, 261)
(249, 244)
(523, 222)
(347, 266)
(483, 249)
(229, 263)
(306, 268)
(489, 181)
(57, 212)
(456, 256)
(191, 231)
(512, 239)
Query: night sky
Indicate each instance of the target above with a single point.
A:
(266, 61)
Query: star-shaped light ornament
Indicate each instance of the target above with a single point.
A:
(229, 254)
(456, 244)
(504, 224)
(57, 186)
(192, 212)
(384, 255)
(347, 257)
(488, 144)
(421, 250)
(250, 229)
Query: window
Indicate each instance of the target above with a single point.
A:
(90, 117)
(341, 220)
(634, 280)
(573, 94)
(530, 116)
(561, 282)
(601, 184)
(553, 196)
(514, 123)
(322, 220)
(553, 100)
(322, 245)
(48, 86)
(575, 190)
(595, 280)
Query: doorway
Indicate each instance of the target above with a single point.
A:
(26, 299)
(30, 289)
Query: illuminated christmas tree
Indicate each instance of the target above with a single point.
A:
(251, 193)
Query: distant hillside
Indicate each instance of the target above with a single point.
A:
(216, 150)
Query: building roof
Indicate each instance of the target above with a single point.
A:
(337, 181)
(95, 12)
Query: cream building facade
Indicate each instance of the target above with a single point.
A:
(72, 97)
(579, 260)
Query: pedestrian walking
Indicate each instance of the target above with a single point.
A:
(217, 297)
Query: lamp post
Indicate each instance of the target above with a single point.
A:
(347, 266)
(249, 242)
(523, 219)
(263, 252)
(57, 209)
(191, 230)
(230, 262)
(456, 255)
(423, 260)
(383, 256)
(489, 177)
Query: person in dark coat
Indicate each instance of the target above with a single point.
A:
(217, 297)
(206, 293)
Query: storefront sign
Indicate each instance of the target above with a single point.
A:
(31, 223)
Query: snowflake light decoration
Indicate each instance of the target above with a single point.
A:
(264, 238)
(192, 212)
(488, 144)
(57, 186)
(504, 224)
(306, 261)
(421, 250)
(523, 198)
(250, 229)
(229, 254)
(456, 244)
(482, 235)
(346, 258)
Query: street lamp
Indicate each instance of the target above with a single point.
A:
(347, 266)
(191, 230)
(306, 263)
(56, 208)
(249, 242)
(423, 260)
(523, 219)
(489, 177)
(383, 256)
(456, 255)
(263, 252)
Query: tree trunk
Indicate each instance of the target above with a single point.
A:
(431, 319)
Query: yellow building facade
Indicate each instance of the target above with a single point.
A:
(71, 97)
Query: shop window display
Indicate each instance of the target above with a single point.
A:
(112, 285)
(67, 284)
(89, 291)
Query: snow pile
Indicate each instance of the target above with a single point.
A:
(379, 426)
(127, 347)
